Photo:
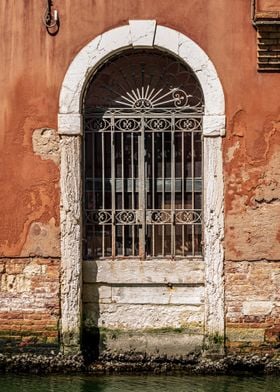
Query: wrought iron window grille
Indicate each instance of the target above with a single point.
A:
(143, 114)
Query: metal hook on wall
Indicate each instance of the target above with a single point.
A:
(51, 18)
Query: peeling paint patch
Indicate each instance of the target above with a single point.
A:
(231, 151)
(268, 193)
(239, 123)
(43, 239)
(269, 190)
(252, 189)
(45, 143)
(250, 233)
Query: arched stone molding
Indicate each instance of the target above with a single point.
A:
(138, 33)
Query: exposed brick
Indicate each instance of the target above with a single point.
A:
(31, 285)
(251, 290)
(273, 334)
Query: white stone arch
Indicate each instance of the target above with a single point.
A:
(140, 34)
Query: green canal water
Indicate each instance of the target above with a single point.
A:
(15, 383)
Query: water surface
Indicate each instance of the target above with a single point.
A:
(15, 383)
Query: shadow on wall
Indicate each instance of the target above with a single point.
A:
(90, 331)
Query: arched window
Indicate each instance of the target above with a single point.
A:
(143, 113)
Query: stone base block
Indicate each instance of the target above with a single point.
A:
(170, 343)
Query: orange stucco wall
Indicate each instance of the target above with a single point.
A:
(33, 65)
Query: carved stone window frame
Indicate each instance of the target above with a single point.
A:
(139, 34)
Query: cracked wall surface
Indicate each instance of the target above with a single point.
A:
(45, 143)
(34, 66)
(252, 179)
(252, 240)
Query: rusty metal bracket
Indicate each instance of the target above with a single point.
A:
(51, 19)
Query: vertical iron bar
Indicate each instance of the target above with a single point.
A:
(162, 189)
(153, 190)
(103, 191)
(142, 189)
(94, 206)
(192, 166)
(123, 231)
(183, 189)
(173, 157)
(113, 180)
(202, 193)
(132, 191)
(85, 205)
(93, 171)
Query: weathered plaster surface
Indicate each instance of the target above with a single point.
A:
(142, 316)
(213, 236)
(252, 188)
(34, 66)
(45, 143)
(30, 176)
(252, 240)
(43, 239)
(142, 33)
(144, 272)
(153, 343)
(40, 203)
(138, 298)
(143, 294)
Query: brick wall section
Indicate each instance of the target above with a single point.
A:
(252, 305)
(29, 304)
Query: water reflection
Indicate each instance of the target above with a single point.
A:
(14, 383)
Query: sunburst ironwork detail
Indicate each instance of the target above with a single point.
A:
(143, 98)
(132, 81)
(143, 116)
